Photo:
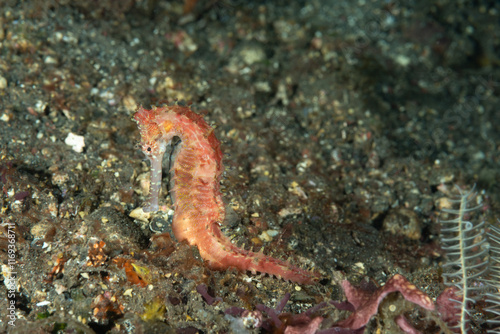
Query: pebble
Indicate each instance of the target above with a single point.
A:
(129, 103)
(76, 142)
(49, 60)
(40, 230)
(3, 83)
(251, 54)
(403, 222)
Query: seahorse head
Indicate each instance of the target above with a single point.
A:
(151, 136)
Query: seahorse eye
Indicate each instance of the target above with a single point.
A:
(149, 149)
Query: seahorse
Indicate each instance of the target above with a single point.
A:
(195, 190)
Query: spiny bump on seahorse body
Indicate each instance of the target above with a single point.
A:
(195, 190)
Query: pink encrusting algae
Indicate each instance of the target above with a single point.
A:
(199, 209)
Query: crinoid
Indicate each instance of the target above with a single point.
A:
(473, 267)
(493, 281)
(467, 249)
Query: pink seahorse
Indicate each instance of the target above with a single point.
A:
(199, 209)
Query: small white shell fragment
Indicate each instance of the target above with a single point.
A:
(139, 214)
(76, 142)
